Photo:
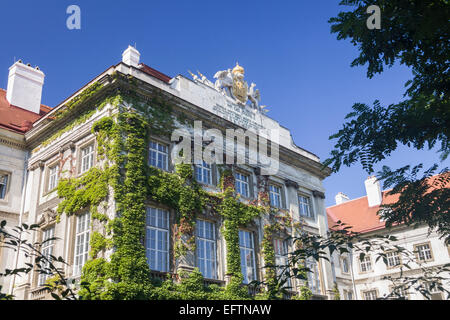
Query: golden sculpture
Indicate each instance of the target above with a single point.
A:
(240, 87)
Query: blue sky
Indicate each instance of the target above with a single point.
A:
(301, 69)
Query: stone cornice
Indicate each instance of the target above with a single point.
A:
(12, 143)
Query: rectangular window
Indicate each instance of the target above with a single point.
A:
(53, 177)
(203, 172)
(247, 248)
(87, 158)
(349, 295)
(305, 206)
(423, 252)
(206, 249)
(47, 245)
(345, 265)
(433, 290)
(313, 275)
(242, 184)
(275, 196)
(159, 155)
(370, 295)
(157, 239)
(393, 259)
(365, 264)
(81, 242)
(398, 292)
(3, 185)
(282, 258)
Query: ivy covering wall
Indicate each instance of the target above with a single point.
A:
(125, 176)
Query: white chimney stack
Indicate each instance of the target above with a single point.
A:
(341, 198)
(373, 190)
(25, 86)
(131, 56)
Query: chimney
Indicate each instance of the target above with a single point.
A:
(373, 190)
(25, 86)
(131, 56)
(341, 198)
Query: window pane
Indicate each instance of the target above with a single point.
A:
(47, 250)
(304, 206)
(81, 242)
(158, 155)
(242, 186)
(247, 256)
(206, 249)
(87, 158)
(157, 245)
(275, 196)
(3, 185)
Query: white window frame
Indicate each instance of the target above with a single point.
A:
(46, 250)
(242, 183)
(343, 263)
(246, 249)
(4, 181)
(434, 292)
(203, 241)
(313, 275)
(53, 177)
(393, 259)
(372, 294)
(401, 290)
(349, 295)
(158, 149)
(281, 249)
(82, 237)
(87, 158)
(275, 196)
(302, 205)
(422, 254)
(365, 265)
(161, 232)
(203, 173)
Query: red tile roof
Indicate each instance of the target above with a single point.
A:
(154, 73)
(17, 119)
(358, 215)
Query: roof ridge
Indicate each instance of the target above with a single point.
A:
(350, 200)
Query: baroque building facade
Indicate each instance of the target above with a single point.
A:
(98, 171)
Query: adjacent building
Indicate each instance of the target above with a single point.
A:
(19, 107)
(365, 279)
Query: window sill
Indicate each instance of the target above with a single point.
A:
(365, 272)
(50, 191)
